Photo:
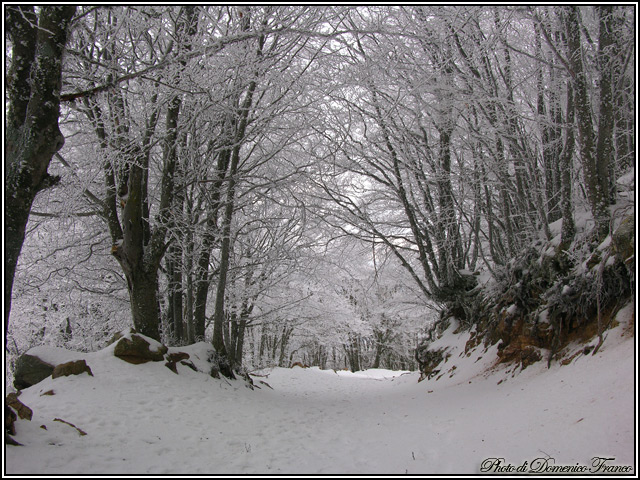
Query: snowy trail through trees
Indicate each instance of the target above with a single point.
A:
(144, 419)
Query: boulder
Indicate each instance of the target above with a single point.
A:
(30, 370)
(137, 350)
(173, 358)
(118, 335)
(71, 368)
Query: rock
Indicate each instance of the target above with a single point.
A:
(10, 418)
(545, 333)
(21, 409)
(474, 340)
(177, 356)
(13, 406)
(30, 370)
(10, 441)
(428, 360)
(529, 355)
(117, 336)
(189, 364)
(71, 368)
(520, 350)
(137, 350)
(172, 366)
(174, 358)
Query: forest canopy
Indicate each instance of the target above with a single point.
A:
(301, 183)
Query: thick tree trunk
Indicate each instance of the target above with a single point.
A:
(145, 307)
(137, 262)
(32, 134)
(138, 248)
(239, 342)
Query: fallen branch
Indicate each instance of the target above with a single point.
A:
(81, 432)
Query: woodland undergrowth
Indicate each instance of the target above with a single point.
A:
(547, 298)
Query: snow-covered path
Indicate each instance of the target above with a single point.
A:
(147, 420)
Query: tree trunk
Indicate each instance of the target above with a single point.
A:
(188, 307)
(137, 247)
(595, 169)
(225, 250)
(225, 254)
(239, 344)
(175, 306)
(202, 274)
(139, 266)
(604, 148)
(32, 134)
(549, 120)
(145, 307)
(566, 166)
(284, 343)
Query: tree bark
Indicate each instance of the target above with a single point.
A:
(566, 166)
(604, 147)
(32, 132)
(202, 274)
(595, 168)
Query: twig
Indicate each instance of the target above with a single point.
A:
(81, 432)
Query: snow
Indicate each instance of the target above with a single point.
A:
(543, 317)
(628, 180)
(144, 419)
(605, 244)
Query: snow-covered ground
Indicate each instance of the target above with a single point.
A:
(145, 419)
